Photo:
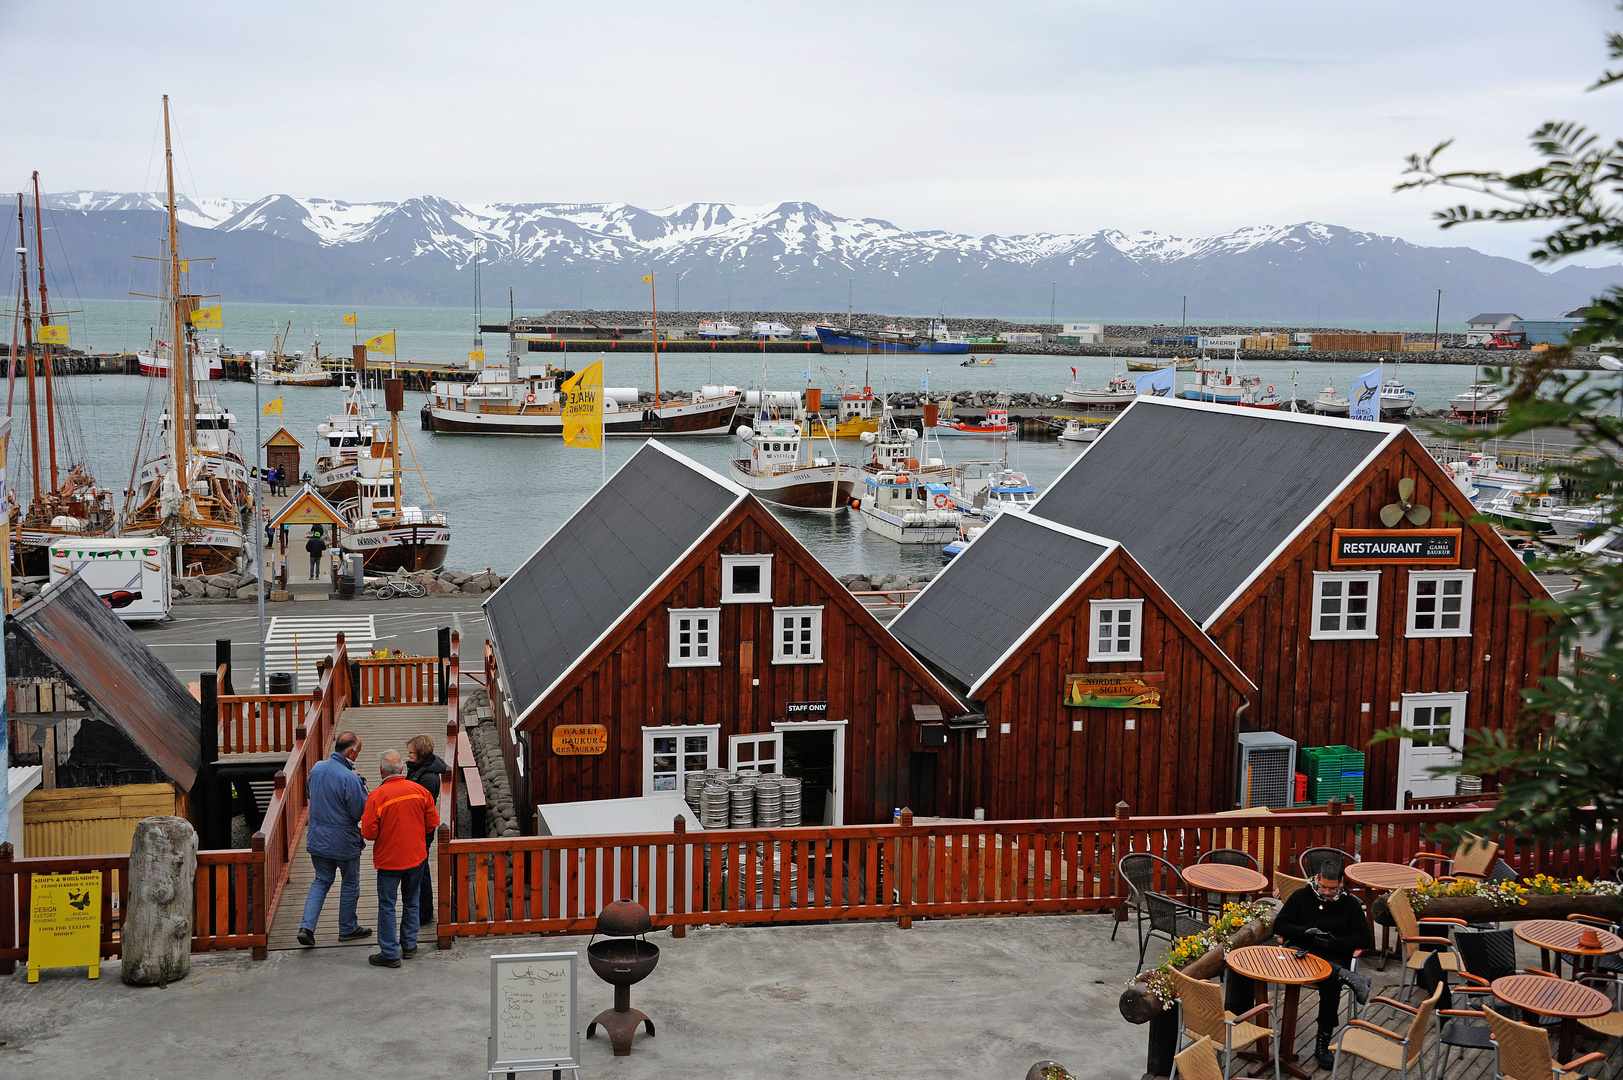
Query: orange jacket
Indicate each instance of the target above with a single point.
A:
(399, 816)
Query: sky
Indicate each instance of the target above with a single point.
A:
(1181, 117)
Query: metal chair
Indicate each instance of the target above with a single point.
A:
(1384, 1047)
(1609, 1026)
(1170, 919)
(1199, 1062)
(1138, 871)
(1474, 858)
(1202, 1015)
(1228, 856)
(1454, 1025)
(1522, 1052)
(1311, 858)
(1416, 946)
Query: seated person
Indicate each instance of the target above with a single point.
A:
(1328, 921)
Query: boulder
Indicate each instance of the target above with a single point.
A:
(471, 586)
(195, 588)
(455, 577)
(440, 588)
(157, 935)
(486, 581)
(216, 592)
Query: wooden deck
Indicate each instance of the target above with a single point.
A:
(380, 728)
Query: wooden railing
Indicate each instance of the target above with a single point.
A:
(259, 723)
(453, 707)
(398, 680)
(526, 885)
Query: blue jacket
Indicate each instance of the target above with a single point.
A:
(337, 801)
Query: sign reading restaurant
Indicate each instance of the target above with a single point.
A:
(1411, 547)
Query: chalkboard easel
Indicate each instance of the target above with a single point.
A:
(532, 1014)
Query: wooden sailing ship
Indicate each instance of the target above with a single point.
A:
(64, 500)
(194, 486)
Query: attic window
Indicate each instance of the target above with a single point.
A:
(746, 579)
(1115, 631)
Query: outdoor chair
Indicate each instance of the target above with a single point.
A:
(1171, 919)
(1610, 966)
(1228, 856)
(1201, 1015)
(1285, 884)
(1457, 1026)
(1609, 1026)
(1384, 1047)
(1417, 947)
(1523, 1052)
(1474, 858)
(1199, 1062)
(1139, 871)
(1313, 856)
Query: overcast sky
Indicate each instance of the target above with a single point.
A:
(1175, 116)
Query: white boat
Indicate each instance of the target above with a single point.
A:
(716, 329)
(205, 359)
(770, 331)
(378, 525)
(902, 498)
(985, 489)
(344, 439)
(1396, 399)
(996, 424)
(1478, 398)
(300, 369)
(779, 467)
(1226, 386)
(1571, 522)
(1120, 392)
(808, 331)
(1076, 431)
(1492, 478)
(1460, 473)
(1329, 403)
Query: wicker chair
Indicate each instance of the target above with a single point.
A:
(1313, 856)
(1139, 872)
(1199, 1062)
(1474, 858)
(1201, 1015)
(1383, 1046)
(1285, 884)
(1523, 1052)
(1170, 919)
(1228, 856)
(1417, 947)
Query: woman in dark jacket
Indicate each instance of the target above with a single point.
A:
(424, 767)
(1328, 921)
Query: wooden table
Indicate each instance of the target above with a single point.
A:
(1224, 878)
(1545, 996)
(1266, 964)
(1377, 877)
(1559, 936)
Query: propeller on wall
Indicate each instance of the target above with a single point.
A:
(1392, 513)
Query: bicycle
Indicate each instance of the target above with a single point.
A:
(400, 587)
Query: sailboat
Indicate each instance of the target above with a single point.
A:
(388, 534)
(347, 437)
(194, 489)
(65, 499)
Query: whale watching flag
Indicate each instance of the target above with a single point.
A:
(583, 409)
(383, 343)
(349, 320)
(53, 334)
(1366, 396)
(1157, 383)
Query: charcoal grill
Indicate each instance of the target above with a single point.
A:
(625, 957)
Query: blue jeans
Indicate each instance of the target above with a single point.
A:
(349, 894)
(405, 883)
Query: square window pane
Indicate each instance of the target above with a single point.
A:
(696, 744)
(665, 744)
(664, 763)
(1330, 588)
(744, 753)
(696, 763)
(746, 580)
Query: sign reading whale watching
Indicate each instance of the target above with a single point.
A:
(1410, 547)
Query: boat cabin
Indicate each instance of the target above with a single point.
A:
(774, 446)
(673, 625)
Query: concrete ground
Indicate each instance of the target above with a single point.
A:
(960, 998)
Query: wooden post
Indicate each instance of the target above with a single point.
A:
(1334, 808)
(261, 895)
(679, 875)
(1123, 811)
(222, 663)
(8, 908)
(446, 862)
(904, 865)
(204, 801)
(47, 758)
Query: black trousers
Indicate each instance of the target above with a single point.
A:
(1330, 1003)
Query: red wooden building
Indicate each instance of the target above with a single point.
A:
(673, 625)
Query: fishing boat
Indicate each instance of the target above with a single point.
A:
(995, 424)
(378, 525)
(1480, 398)
(1574, 521)
(194, 488)
(985, 489)
(892, 339)
(343, 440)
(1329, 403)
(300, 369)
(1075, 431)
(718, 328)
(1226, 386)
(65, 500)
(1396, 399)
(1493, 478)
(1119, 392)
(855, 412)
(1523, 510)
(205, 353)
(777, 463)
(903, 498)
(1158, 365)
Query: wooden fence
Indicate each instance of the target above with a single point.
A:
(260, 723)
(526, 885)
(398, 680)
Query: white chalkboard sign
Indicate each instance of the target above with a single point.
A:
(532, 1012)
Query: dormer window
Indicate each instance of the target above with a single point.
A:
(746, 579)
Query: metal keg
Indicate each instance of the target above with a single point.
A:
(789, 801)
(714, 804)
(743, 807)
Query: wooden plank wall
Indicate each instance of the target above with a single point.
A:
(92, 821)
(1314, 691)
(630, 686)
(1178, 759)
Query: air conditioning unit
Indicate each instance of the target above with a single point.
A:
(1267, 769)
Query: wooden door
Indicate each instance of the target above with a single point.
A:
(1441, 718)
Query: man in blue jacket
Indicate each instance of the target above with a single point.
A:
(337, 795)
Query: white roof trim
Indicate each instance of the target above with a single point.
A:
(739, 495)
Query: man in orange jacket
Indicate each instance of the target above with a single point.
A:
(399, 816)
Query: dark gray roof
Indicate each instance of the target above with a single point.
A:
(1202, 495)
(992, 594)
(592, 570)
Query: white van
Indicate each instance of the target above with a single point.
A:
(131, 574)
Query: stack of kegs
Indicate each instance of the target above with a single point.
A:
(715, 799)
(768, 803)
(693, 784)
(789, 801)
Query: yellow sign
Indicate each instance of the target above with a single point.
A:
(307, 508)
(476, 357)
(185, 266)
(56, 334)
(583, 409)
(576, 739)
(64, 924)
(208, 317)
(1126, 690)
(273, 407)
(349, 320)
(383, 343)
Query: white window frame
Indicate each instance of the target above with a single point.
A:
(676, 614)
(680, 731)
(1372, 612)
(1416, 577)
(817, 634)
(756, 741)
(1135, 649)
(730, 561)
(1458, 701)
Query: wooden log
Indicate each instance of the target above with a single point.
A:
(1478, 909)
(1140, 1003)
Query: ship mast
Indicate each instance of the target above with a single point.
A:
(179, 360)
(44, 320)
(654, 314)
(28, 345)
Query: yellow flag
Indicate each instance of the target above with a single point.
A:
(583, 409)
(56, 334)
(273, 408)
(476, 357)
(349, 320)
(383, 343)
(648, 279)
(207, 317)
(185, 266)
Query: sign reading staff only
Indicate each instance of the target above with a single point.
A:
(576, 739)
(1410, 547)
(64, 923)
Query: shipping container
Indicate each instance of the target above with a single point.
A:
(1357, 342)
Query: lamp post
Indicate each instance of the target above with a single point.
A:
(1612, 363)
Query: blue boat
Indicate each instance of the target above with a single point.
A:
(889, 340)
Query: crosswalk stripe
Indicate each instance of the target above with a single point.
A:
(299, 642)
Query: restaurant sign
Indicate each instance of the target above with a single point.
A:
(575, 739)
(1127, 690)
(1411, 547)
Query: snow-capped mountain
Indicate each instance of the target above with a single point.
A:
(796, 255)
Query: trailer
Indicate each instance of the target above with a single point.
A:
(131, 575)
